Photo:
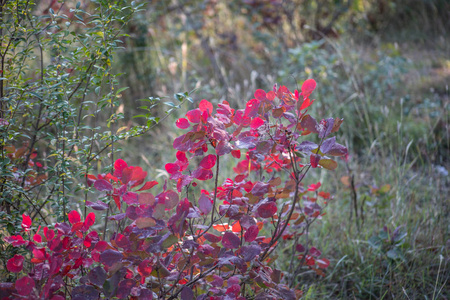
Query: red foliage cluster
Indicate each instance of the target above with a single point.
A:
(215, 244)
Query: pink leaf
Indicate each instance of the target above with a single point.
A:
(15, 264)
(119, 165)
(260, 94)
(15, 240)
(251, 108)
(230, 240)
(267, 210)
(103, 185)
(182, 123)
(204, 204)
(256, 123)
(205, 105)
(74, 217)
(24, 285)
(130, 198)
(208, 161)
(37, 238)
(26, 222)
(194, 115)
(308, 87)
(233, 290)
(251, 233)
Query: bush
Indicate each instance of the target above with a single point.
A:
(186, 240)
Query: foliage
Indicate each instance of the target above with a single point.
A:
(186, 241)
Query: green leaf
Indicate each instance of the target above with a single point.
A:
(375, 242)
(328, 164)
(394, 254)
(171, 240)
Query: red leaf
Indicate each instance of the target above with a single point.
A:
(212, 238)
(24, 285)
(314, 252)
(119, 165)
(256, 123)
(26, 222)
(90, 220)
(314, 187)
(49, 234)
(37, 238)
(308, 87)
(103, 185)
(202, 174)
(74, 217)
(260, 94)
(324, 195)
(117, 201)
(300, 248)
(236, 227)
(182, 123)
(15, 264)
(77, 226)
(236, 153)
(251, 233)
(205, 105)
(270, 95)
(314, 160)
(267, 210)
(323, 263)
(194, 115)
(145, 268)
(90, 238)
(221, 227)
(208, 161)
(306, 103)
(170, 199)
(230, 240)
(133, 175)
(148, 185)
